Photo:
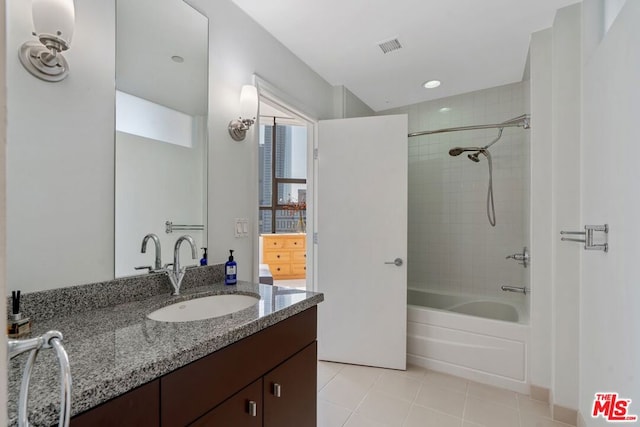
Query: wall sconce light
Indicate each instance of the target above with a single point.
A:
(53, 22)
(248, 107)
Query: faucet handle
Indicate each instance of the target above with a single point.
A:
(144, 267)
(523, 257)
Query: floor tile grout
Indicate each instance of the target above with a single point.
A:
(410, 401)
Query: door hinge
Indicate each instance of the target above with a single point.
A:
(315, 154)
(315, 238)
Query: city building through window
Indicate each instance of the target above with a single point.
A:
(282, 176)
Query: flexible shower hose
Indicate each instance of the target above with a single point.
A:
(491, 214)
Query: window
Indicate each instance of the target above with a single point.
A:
(283, 177)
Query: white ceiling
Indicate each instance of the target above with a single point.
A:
(467, 44)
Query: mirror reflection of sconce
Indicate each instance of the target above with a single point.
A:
(53, 22)
(248, 108)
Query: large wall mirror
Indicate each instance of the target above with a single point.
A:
(161, 134)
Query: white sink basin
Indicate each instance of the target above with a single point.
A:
(203, 308)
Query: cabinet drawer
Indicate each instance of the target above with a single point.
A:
(298, 269)
(276, 256)
(280, 269)
(236, 410)
(299, 257)
(294, 243)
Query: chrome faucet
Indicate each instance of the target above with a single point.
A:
(177, 274)
(143, 249)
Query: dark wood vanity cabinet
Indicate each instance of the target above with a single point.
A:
(266, 379)
(139, 407)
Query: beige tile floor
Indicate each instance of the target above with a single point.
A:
(358, 396)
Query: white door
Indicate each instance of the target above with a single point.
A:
(362, 229)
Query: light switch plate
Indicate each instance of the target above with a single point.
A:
(241, 227)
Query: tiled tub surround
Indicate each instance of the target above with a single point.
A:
(115, 348)
(451, 246)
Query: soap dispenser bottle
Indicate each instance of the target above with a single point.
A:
(203, 260)
(230, 271)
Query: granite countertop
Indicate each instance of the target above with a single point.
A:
(115, 349)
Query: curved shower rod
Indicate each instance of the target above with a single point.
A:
(523, 121)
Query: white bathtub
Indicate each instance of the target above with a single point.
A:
(481, 340)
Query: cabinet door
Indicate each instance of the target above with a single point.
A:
(290, 391)
(137, 408)
(195, 389)
(243, 409)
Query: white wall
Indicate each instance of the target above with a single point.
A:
(555, 57)
(452, 247)
(348, 105)
(3, 222)
(541, 209)
(238, 48)
(565, 156)
(609, 296)
(60, 156)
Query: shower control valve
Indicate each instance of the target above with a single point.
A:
(523, 257)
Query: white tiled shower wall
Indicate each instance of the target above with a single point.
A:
(452, 247)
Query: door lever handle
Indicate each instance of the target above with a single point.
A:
(397, 262)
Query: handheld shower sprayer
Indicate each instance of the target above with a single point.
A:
(474, 156)
(459, 150)
(491, 210)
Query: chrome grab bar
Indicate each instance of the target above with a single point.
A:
(51, 339)
(588, 240)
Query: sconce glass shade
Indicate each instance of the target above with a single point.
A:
(248, 102)
(248, 111)
(53, 22)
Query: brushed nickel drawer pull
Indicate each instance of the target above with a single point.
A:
(253, 408)
(277, 390)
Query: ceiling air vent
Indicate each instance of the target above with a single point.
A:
(390, 45)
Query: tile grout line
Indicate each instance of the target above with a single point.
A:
(519, 412)
(464, 406)
(355, 411)
(413, 402)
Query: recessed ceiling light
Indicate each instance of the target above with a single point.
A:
(445, 109)
(431, 84)
(177, 58)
